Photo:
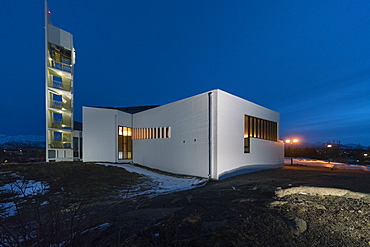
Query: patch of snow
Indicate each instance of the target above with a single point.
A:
(21, 189)
(333, 165)
(25, 188)
(160, 183)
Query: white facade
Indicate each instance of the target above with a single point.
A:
(204, 136)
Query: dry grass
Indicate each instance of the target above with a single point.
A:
(75, 198)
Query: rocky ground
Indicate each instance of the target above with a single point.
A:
(83, 205)
(292, 206)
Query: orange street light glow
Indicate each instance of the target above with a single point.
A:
(291, 141)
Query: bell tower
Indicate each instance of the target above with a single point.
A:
(59, 68)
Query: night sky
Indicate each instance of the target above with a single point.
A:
(308, 60)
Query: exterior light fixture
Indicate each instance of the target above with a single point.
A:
(329, 146)
(288, 141)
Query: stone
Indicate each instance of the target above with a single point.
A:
(296, 225)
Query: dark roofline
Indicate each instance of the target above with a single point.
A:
(129, 109)
(77, 125)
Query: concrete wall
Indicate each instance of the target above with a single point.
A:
(186, 152)
(231, 158)
(100, 133)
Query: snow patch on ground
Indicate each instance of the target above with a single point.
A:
(159, 183)
(333, 165)
(19, 189)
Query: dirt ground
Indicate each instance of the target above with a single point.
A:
(291, 206)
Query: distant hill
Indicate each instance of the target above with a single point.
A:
(21, 141)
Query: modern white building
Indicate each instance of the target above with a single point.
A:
(213, 134)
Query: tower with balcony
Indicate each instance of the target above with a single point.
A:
(59, 66)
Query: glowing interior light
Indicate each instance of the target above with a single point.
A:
(245, 136)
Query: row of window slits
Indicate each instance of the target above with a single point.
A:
(258, 128)
(151, 133)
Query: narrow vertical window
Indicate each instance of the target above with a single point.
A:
(246, 133)
(124, 142)
(168, 133)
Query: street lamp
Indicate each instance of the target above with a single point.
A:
(288, 141)
(329, 146)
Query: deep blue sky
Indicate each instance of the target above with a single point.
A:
(308, 60)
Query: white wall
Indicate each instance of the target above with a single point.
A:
(186, 152)
(263, 154)
(100, 133)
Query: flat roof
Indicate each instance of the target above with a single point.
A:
(130, 109)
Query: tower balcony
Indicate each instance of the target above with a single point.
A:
(57, 81)
(60, 105)
(59, 139)
(62, 65)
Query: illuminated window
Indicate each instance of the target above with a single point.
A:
(168, 134)
(258, 128)
(151, 133)
(247, 131)
(124, 142)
